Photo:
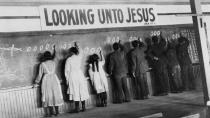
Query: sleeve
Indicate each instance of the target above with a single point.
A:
(122, 48)
(111, 65)
(80, 52)
(102, 62)
(133, 62)
(102, 59)
(187, 42)
(39, 77)
(163, 43)
(90, 71)
(67, 69)
(150, 54)
(125, 59)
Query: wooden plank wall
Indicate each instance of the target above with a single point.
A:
(25, 103)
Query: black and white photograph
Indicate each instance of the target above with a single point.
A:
(104, 58)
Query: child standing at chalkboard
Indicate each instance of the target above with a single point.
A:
(98, 78)
(76, 81)
(50, 85)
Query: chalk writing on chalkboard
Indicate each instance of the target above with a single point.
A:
(111, 40)
(12, 49)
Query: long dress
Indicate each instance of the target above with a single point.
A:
(50, 87)
(77, 83)
(98, 78)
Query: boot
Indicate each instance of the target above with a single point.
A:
(47, 112)
(56, 110)
(83, 106)
(98, 102)
(105, 102)
(105, 99)
(76, 106)
(50, 111)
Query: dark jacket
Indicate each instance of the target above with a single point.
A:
(182, 52)
(138, 62)
(172, 57)
(158, 50)
(118, 64)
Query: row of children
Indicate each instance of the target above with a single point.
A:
(168, 61)
(76, 81)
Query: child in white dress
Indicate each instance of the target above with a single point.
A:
(76, 81)
(50, 85)
(98, 78)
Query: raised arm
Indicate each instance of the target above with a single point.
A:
(101, 57)
(163, 42)
(111, 65)
(133, 64)
(187, 42)
(121, 46)
(54, 52)
(79, 48)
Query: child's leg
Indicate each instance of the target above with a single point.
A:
(50, 110)
(56, 110)
(98, 99)
(104, 98)
(83, 106)
(47, 112)
(76, 106)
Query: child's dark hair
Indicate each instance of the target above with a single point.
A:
(135, 43)
(46, 56)
(94, 60)
(155, 39)
(116, 46)
(74, 50)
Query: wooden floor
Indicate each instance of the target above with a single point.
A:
(171, 106)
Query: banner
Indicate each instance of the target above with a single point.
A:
(67, 17)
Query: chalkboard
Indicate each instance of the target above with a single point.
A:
(18, 53)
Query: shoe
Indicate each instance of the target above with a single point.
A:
(56, 114)
(47, 115)
(83, 109)
(174, 92)
(146, 97)
(127, 100)
(76, 110)
(105, 103)
(139, 98)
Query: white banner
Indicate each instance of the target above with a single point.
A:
(67, 17)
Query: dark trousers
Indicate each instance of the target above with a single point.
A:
(161, 79)
(187, 77)
(175, 78)
(141, 86)
(121, 88)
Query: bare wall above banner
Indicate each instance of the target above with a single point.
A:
(67, 17)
